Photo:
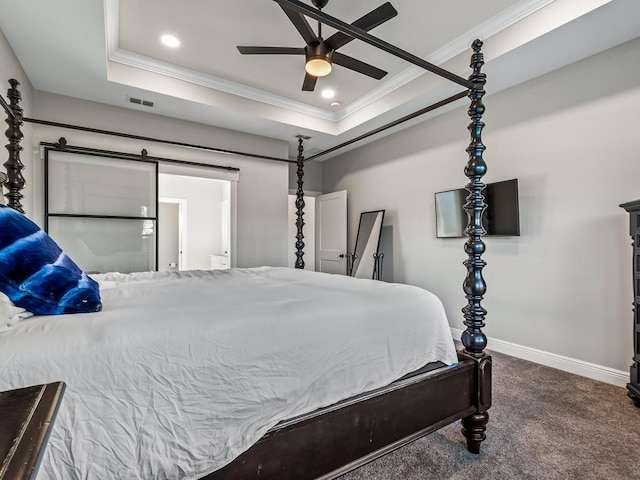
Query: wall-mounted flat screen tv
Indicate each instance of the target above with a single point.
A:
(501, 217)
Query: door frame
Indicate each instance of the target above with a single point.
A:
(340, 254)
(182, 226)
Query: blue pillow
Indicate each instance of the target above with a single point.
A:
(36, 274)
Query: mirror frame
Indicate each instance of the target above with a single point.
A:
(354, 260)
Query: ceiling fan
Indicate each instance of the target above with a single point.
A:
(320, 54)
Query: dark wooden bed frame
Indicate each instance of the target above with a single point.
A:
(334, 440)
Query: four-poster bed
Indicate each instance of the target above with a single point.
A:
(329, 441)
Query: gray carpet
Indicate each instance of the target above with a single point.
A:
(544, 424)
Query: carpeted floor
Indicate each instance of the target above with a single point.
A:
(544, 424)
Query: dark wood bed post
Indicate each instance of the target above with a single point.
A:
(15, 181)
(300, 207)
(473, 338)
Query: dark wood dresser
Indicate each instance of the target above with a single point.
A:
(26, 418)
(633, 387)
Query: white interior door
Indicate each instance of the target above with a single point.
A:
(172, 213)
(331, 232)
(168, 236)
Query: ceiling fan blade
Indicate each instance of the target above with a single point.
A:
(301, 24)
(309, 83)
(370, 20)
(358, 66)
(270, 50)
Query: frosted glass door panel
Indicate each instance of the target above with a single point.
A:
(107, 244)
(91, 185)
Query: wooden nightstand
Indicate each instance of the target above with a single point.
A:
(26, 418)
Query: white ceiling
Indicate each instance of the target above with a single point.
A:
(109, 50)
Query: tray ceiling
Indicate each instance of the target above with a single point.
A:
(110, 51)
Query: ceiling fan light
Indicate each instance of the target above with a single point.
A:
(318, 67)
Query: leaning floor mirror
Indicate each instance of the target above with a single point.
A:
(366, 260)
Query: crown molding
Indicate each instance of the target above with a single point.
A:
(131, 59)
(142, 62)
(485, 30)
(111, 26)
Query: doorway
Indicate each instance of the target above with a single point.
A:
(325, 232)
(172, 216)
(331, 222)
(194, 227)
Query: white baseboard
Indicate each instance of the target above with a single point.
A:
(567, 364)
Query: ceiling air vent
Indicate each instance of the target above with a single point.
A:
(139, 101)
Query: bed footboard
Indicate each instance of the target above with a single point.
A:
(474, 425)
(341, 438)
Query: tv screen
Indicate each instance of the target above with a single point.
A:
(501, 217)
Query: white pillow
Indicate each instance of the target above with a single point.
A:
(10, 314)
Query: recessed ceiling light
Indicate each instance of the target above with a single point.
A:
(170, 41)
(328, 93)
(335, 104)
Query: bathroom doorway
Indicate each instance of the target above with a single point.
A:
(194, 224)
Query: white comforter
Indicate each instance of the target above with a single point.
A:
(182, 372)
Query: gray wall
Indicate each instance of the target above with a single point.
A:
(563, 286)
(312, 177)
(262, 188)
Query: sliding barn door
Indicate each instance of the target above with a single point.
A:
(331, 232)
(101, 209)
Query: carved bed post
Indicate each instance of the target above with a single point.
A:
(15, 181)
(300, 208)
(473, 339)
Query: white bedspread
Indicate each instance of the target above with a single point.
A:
(182, 372)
